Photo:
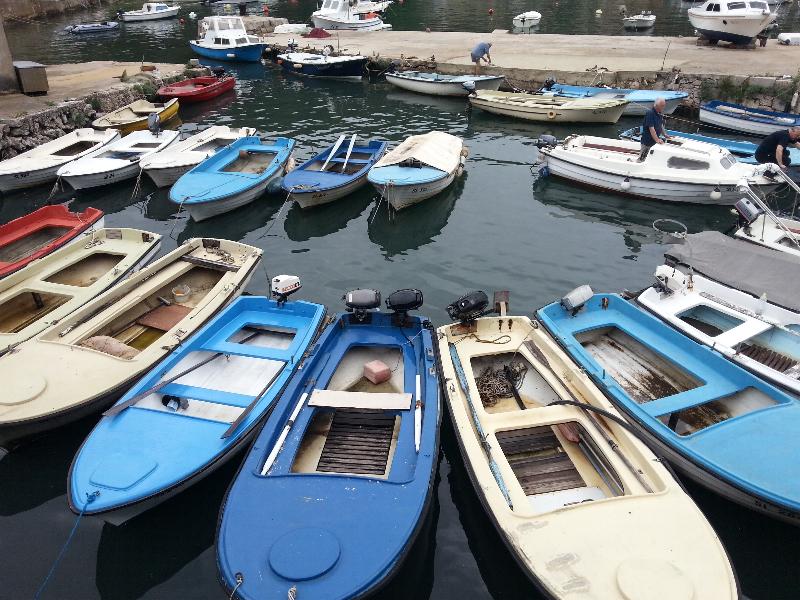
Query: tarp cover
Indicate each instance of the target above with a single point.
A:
(436, 149)
(741, 265)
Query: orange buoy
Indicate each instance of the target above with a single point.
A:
(266, 10)
(181, 21)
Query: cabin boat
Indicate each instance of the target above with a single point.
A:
(118, 162)
(527, 19)
(92, 27)
(644, 20)
(419, 168)
(639, 101)
(150, 11)
(88, 358)
(369, 6)
(751, 121)
(736, 21)
(134, 116)
(752, 317)
(167, 166)
(714, 421)
(334, 173)
(226, 38)
(323, 65)
(548, 108)
(198, 89)
(234, 176)
(437, 84)
(575, 468)
(680, 170)
(254, 346)
(339, 14)
(364, 447)
(56, 285)
(39, 165)
(41, 232)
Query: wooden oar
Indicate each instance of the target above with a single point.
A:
(229, 431)
(279, 444)
(333, 151)
(349, 150)
(418, 414)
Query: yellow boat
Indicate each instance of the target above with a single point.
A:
(133, 117)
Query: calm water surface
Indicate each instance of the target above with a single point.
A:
(496, 228)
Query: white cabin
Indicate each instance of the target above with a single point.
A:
(223, 32)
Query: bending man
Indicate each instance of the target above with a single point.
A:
(775, 147)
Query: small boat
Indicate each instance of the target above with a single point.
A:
(167, 166)
(198, 89)
(334, 173)
(735, 21)
(527, 19)
(752, 121)
(323, 65)
(41, 232)
(420, 167)
(436, 84)
(118, 162)
(251, 349)
(770, 231)
(639, 101)
(560, 475)
(150, 11)
(232, 177)
(87, 359)
(714, 421)
(680, 170)
(735, 297)
(345, 463)
(93, 27)
(226, 38)
(547, 108)
(39, 165)
(644, 20)
(134, 116)
(58, 284)
(789, 39)
(339, 14)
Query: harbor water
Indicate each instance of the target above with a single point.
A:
(500, 226)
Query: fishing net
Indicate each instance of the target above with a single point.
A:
(494, 385)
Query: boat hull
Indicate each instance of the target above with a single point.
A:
(313, 198)
(609, 114)
(92, 180)
(153, 16)
(166, 176)
(733, 123)
(365, 25)
(353, 69)
(186, 94)
(247, 53)
(403, 196)
(442, 88)
(201, 211)
(28, 179)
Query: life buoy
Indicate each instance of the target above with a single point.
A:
(551, 114)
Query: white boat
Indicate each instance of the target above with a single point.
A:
(585, 508)
(92, 27)
(165, 167)
(56, 285)
(226, 38)
(39, 165)
(556, 109)
(644, 20)
(419, 168)
(736, 21)
(783, 235)
(789, 39)
(527, 19)
(743, 119)
(437, 84)
(367, 6)
(150, 11)
(737, 298)
(338, 14)
(118, 162)
(680, 170)
(295, 28)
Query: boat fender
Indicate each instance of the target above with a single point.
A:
(274, 186)
(551, 114)
(626, 184)
(174, 403)
(327, 50)
(297, 66)
(464, 151)
(715, 194)
(544, 171)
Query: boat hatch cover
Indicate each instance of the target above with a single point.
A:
(23, 388)
(122, 471)
(638, 574)
(303, 554)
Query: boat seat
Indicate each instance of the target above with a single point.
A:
(164, 317)
(360, 400)
(360, 161)
(611, 148)
(689, 399)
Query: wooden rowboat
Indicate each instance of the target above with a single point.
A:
(538, 107)
(133, 117)
(86, 360)
(39, 233)
(198, 89)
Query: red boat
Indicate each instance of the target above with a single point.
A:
(198, 89)
(38, 233)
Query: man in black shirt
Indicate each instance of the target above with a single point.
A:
(775, 147)
(653, 128)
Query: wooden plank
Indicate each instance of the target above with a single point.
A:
(360, 400)
(358, 442)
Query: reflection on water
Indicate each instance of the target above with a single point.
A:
(303, 225)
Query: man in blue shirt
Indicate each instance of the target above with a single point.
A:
(481, 52)
(775, 147)
(653, 131)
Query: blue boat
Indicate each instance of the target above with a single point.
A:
(226, 38)
(168, 432)
(334, 491)
(322, 65)
(232, 177)
(715, 421)
(334, 173)
(639, 101)
(752, 121)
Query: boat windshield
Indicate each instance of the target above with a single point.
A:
(736, 5)
(727, 161)
(759, 5)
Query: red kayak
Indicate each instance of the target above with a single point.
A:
(198, 89)
(38, 233)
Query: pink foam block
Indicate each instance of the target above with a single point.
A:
(377, 371)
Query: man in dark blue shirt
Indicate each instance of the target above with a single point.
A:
(775, 147)
(653, 128)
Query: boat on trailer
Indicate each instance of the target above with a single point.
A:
(357, 431)
(438, 84)
(639, 101)
(193, 412)
(735, 21)
(56, 285)
(548, 108)
(45, 230)
(334, 173)
(559, 473)
(716, 422)
(86, 360)
(751, 121)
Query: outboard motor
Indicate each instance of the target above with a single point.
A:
(546, 141)
(360, 302)
(469, 307)
(284, 286)
(291, 45)
(548, 83)
(748, 211)
(219, 72)
(576, 299)
(401, 302)
(469, 86)
(154, 123)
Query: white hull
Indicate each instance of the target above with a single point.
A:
(638, 109)
(732, 28)
(154, 16)
(166, 176)
(312, 199)
(638, 24)
(449, 88)
(91, 180)
(520, 24)
(331, 23)
(403, 196)
(202, 211)
(764, 232)
(19, 181)
(736, 124)
(610, 114)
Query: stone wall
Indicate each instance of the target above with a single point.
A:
(29, 9)
(262, 25)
